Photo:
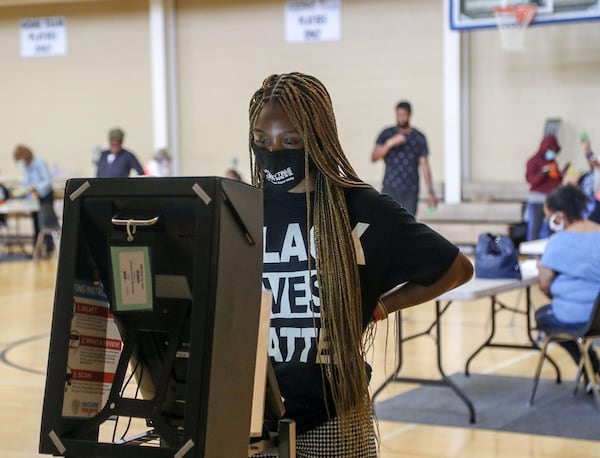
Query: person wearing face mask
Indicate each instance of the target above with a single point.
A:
(404, 150)
(543, 176)
(38, 180)
(334, 252)
(569, 270)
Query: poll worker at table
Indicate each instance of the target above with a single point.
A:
(38, 180)
(117, 162)
(3, 198)
(569, 270)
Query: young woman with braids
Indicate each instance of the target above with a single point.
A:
(334, 252)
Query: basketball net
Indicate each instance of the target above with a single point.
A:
(512, 23)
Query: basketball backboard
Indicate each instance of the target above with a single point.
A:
(479, 14)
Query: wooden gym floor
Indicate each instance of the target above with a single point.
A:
(27, 294)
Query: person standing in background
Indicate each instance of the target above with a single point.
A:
(404, 149)
(38, 180)
(594, 178)
(159, 165)
(233, 174)
(117, 162)
(543, 175)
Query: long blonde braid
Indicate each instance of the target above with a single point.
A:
(308, 105)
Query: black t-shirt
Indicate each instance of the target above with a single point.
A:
(402, 161)
(391, 248)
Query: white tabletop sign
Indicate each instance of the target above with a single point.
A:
(316, 20)
(44, 36)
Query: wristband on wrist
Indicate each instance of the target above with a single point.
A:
(380, 312)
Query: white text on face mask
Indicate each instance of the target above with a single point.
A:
(281, 177)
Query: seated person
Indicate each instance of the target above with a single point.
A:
(3, 198)
(569, 270)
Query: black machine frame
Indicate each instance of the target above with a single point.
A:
(206, 259)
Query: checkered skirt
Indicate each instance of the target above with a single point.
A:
(325, 441)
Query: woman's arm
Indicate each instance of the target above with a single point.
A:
(411, 294)
(546, 277)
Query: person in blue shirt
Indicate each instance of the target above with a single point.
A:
(117, 162)
(38, 180)
(569, 270)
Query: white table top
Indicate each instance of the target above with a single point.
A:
(19, 206)
(477, 288)
(533, 247)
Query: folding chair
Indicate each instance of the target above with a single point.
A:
(584, 338)
(39, 249)
(49, 226)
(3, 233)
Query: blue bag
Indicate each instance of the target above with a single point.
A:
(496, 257)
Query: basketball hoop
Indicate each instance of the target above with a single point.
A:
(512, 22)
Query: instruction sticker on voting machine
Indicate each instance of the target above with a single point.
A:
(132, 278)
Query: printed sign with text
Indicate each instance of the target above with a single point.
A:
(317, 20)
(44, 36)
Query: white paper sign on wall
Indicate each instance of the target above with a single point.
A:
(316, 20)
(44, 36)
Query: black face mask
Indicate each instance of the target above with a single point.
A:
(283, 169)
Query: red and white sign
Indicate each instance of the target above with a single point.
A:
(94, 349)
